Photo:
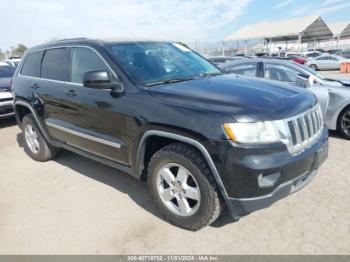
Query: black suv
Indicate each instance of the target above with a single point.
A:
(203, 140)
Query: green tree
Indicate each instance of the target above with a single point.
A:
(2, 55)
(18, 51)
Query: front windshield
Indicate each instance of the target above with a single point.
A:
(151, 63)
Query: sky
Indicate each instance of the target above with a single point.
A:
(32, 22)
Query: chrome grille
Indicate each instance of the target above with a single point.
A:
(304, 129)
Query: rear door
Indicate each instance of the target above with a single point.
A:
(51, 88)
(333, 63)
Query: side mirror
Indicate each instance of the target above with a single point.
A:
(101, 80)
(304, 80)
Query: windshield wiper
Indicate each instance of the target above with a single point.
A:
(167, 81)
(209, 74)
(170, 81)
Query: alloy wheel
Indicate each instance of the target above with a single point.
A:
(31, 137)
(178, 189)
(345, 123)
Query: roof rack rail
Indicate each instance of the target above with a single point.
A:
(74, 38)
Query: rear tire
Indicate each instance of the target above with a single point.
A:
(34, 143)
(343, 125)
(313, 67)
(183, 188)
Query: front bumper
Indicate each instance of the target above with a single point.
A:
(239, 207)
(239, 173)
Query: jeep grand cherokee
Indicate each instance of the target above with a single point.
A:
(202, 140)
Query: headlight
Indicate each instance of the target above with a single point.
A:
(259, 132)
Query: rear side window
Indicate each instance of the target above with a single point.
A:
(55, 65)
(333, 58)
(31, 66)
(85, 60)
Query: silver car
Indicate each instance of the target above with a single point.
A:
(333, 95)
(326, 62)
(6, 99)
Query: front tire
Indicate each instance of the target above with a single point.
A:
(313, 67)
(183, 188)
(34, 143)
(344, 123)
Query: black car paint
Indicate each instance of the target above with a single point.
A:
(195, 110)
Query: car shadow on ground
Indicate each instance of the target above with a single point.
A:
(335, 134)
(137, 190)
(7, 122)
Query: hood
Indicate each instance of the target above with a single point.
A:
(5, 84)
(333, 82)
(345, 82)
(245, 99)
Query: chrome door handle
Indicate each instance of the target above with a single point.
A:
(34, 86)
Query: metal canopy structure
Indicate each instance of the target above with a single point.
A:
(340, 29)
(303, 29)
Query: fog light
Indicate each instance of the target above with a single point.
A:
(268, 180)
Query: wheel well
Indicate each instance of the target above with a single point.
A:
(21, 111)
(341, 112)
(152, 145)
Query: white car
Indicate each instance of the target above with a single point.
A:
(13, 61)
(6, 99)
(326, 62)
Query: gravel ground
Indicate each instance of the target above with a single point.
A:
(73, 205)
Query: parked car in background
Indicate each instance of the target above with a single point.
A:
(333, 95)
(202, 139)
(13, 61)
(344, 53)
(6, 99)
(333, 51)
(311, 54)
(221, 60)
(326, 62)
(295, 58)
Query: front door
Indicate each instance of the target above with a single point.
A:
(95, 119)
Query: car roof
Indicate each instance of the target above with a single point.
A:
(94, 42)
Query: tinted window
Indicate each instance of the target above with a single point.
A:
(31, 65)
(280, 73)
(333, 58)
(6, 71)
(247, 69)
(55, 64)
(322, 58)
(85, 60)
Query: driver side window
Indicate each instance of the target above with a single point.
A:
(85, 60)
